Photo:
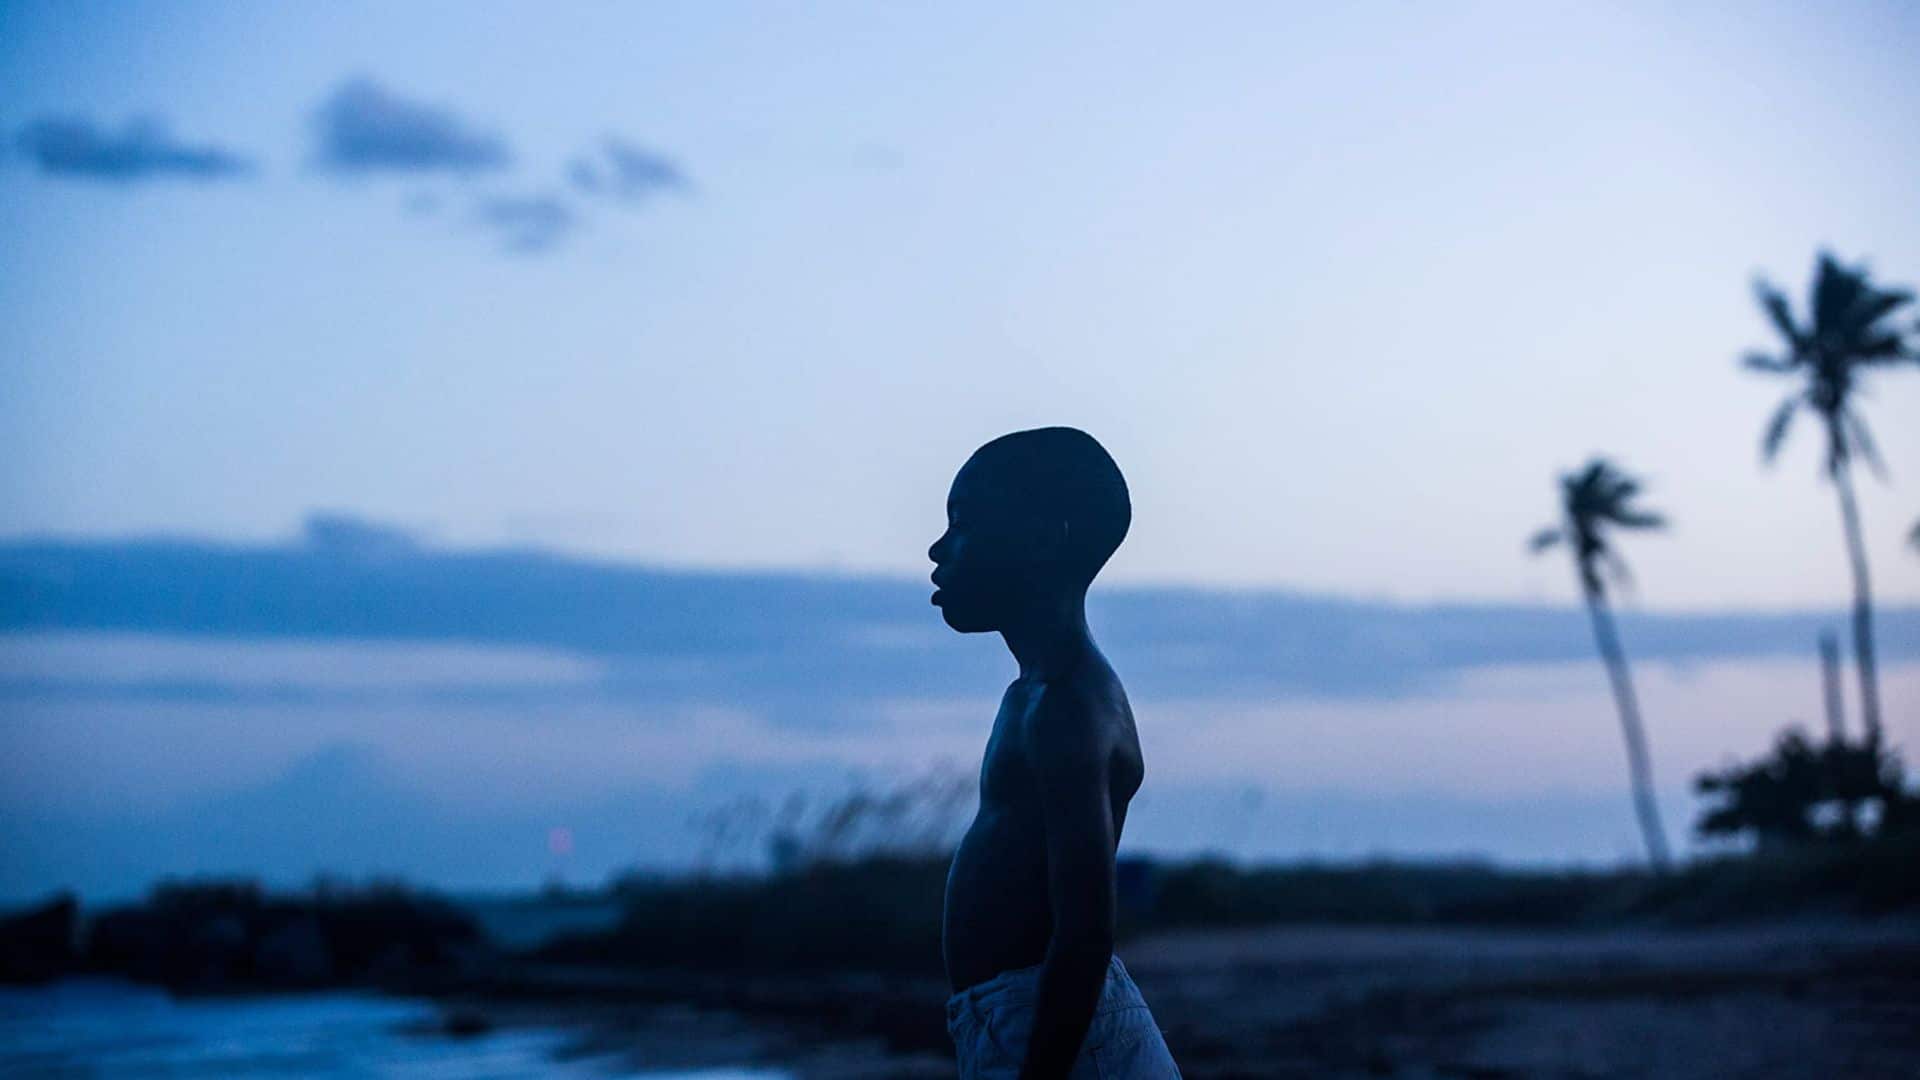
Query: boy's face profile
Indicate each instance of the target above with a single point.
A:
(993, 556)
(1031, 518)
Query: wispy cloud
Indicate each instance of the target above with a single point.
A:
(363, 127)
(141, 149)
(626, 171)
(527, 224)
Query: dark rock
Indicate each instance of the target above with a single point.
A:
(465, 1023)
(37, 945)
(294, 954)
(221, 936)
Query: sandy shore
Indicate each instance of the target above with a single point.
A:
(1802, 1000)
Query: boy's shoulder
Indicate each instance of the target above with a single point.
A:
(1073, 716)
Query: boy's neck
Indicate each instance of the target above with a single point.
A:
(1050, 639)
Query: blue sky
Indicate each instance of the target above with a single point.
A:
(1341, 290)
(358, 703)
(736, 286)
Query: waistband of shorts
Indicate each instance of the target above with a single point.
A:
(1020, 986)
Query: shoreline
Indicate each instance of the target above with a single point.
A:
(1803, 998)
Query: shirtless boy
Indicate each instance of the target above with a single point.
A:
(1028, 935)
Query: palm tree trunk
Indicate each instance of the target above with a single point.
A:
(1830, 688)
(1837, 733)
(1862, 608)
(1639, 765)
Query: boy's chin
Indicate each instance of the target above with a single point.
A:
(965, 622)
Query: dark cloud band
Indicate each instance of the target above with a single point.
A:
(626, 171)
(141, 149)
(363, 128)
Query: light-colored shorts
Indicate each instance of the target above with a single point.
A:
(991, 1023)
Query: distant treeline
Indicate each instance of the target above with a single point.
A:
(221, 936)
(883, 913)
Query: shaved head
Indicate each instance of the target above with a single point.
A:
(1064, 475)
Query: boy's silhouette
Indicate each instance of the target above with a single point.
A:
(1028, 935)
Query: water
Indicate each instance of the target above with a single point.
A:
(100, 1028)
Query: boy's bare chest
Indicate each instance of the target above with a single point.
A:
(1005, 776)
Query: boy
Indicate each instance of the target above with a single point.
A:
(1028, 932)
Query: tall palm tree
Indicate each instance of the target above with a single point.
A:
(1848, 332)
(1594, 501)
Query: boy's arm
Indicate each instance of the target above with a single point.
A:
(1069, 760)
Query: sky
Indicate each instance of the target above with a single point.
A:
(738, 287)
(360, 703)
(721, 285)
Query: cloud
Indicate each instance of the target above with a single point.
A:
(626, 171)
(527, 224)
(142, 149)
(346, 535)
(803, 651)
(364, 128)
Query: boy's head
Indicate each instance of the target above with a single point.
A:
(1032, 517)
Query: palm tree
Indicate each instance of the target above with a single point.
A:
(1593, 501)
(1847, 333)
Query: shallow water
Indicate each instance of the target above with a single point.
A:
(89, 1028)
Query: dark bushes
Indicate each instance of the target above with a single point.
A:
(231, 935)
(882, 914)
(38, 944)
(877, 914)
